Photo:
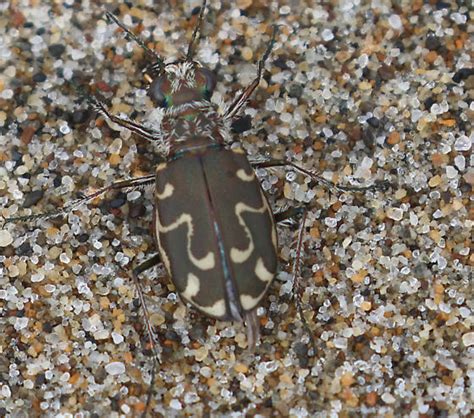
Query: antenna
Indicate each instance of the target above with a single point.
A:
(158, 61)
(197, 29)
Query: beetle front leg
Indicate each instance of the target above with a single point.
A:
(239, 103)
(143, 131)
(132, 184)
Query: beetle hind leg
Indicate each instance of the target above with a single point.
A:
(253, 329)
(297, 288)
(146, 265)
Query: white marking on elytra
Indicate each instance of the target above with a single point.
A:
(261, 271)
(240, 256)
(205, 263)
(192, 287)
(238, 151)
(242, 175)
(217, 310)
(270, 213)
(274, 238)
(249, 302)
(164, 256)
(161, 166)
(274, 233)
(167, 192)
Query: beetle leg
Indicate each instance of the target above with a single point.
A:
(378, 185)
(288, 213)
(239, 103)
(297, 290)
(253, 329)
(136, 183)
(141, 130)
(147, 264)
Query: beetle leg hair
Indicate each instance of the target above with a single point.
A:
(141, 130)
(132, 184)
(378, 185)
(147, 264)
(241, 100)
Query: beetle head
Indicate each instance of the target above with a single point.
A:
(180, 83)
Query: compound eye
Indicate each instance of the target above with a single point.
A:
(209, 81)
(156, 92)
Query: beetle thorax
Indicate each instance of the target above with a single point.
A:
(197, 123)
(190, 121)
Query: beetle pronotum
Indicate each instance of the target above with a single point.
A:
(221, 253)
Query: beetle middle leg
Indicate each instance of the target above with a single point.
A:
(302, 210)
(378, 185)
(132, 184)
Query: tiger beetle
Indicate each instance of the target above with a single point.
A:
(215, 231)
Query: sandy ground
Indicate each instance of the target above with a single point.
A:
(358, 91)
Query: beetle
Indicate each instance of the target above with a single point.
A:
(220, 249)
